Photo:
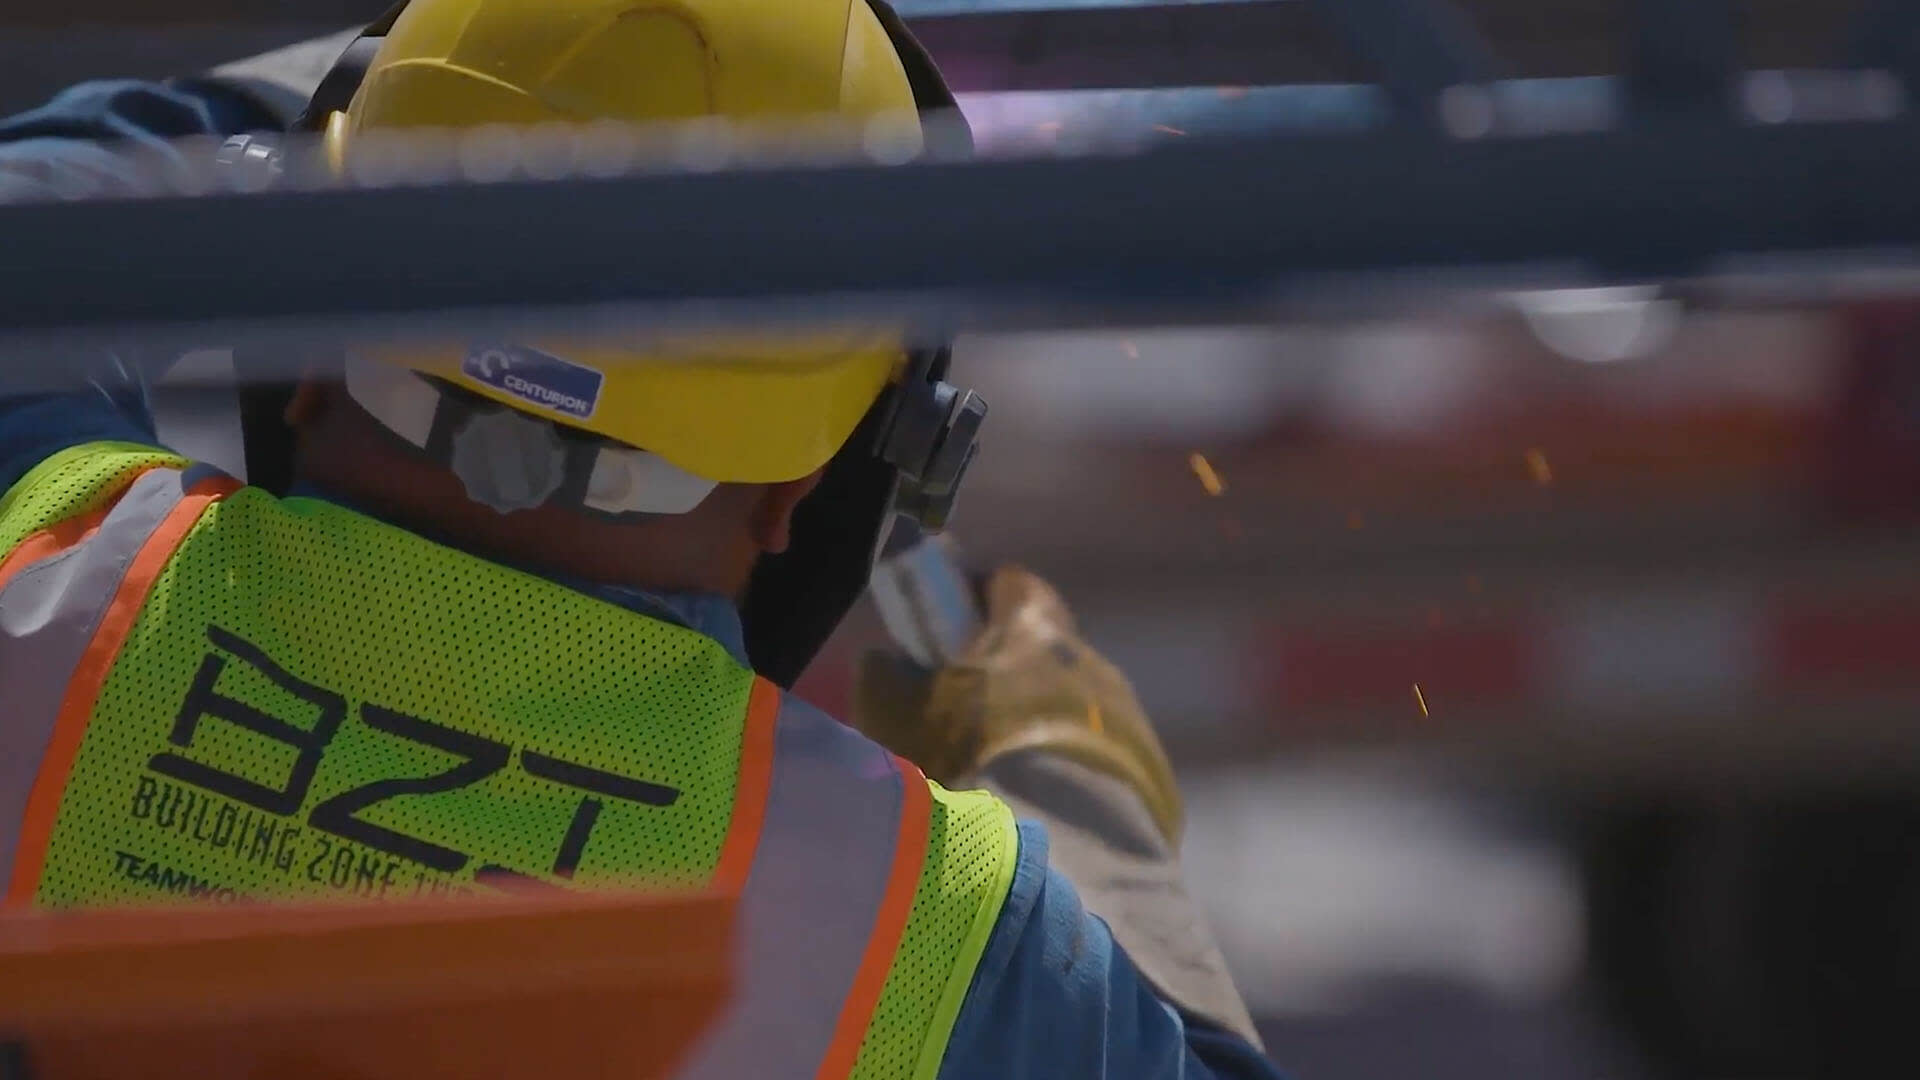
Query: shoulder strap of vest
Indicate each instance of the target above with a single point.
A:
(835, 850)
(972, 848)
(75, 483)
(69, 595)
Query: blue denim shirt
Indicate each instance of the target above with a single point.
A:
(1053, 997)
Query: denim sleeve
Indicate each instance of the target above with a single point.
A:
(97, 138)
(35, 427)
(113, 137)
(1054, 996)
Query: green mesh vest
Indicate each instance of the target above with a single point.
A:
(215, 695)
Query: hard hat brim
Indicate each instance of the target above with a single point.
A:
(744, 416)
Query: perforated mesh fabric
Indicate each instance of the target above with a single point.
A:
(72, 483)
(314, 704)
(476, 711)
(972, 847)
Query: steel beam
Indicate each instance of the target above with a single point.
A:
(1221, 227)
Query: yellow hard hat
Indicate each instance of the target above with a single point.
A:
(650, 426)
(736, 409)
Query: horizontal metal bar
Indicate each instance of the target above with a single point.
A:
(1416, 49)
(1050, 119)
(1885, 34)
(1055, 44)
(1206, 225)
(1231, 42)
(1682, 56)
(1043, 119)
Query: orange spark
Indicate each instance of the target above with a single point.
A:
(1202, 468)
(1538, 468)
(1420, 699)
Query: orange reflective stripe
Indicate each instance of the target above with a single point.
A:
(750, 797)
(909, 855)
(83, 689)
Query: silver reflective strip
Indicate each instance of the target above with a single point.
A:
(623, 480)
(48, 613)
(820, 872)
(402, 401)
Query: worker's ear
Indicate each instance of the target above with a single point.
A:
(771, 522)
(309, 400)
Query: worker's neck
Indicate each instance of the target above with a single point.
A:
(690, 553)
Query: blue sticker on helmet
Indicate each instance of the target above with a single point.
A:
(536, 378)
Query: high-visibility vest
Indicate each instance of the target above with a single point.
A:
(209, 694)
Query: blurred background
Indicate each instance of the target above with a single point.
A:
(1542, 669)
(1544, 684)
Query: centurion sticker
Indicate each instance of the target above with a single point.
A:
(557, 385)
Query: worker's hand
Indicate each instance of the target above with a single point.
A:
(1027, 682)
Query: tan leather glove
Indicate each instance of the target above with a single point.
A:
(1027, 682)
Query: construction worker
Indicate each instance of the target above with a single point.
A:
(501, 631)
